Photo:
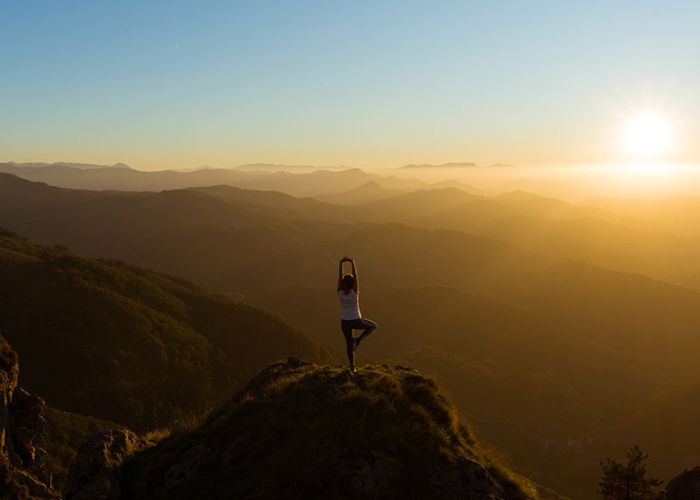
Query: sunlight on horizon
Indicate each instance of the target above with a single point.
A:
(647, 136)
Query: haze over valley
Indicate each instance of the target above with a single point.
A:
(557, 343)
(350, 250)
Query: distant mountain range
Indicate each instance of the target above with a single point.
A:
(451, 165)
(428, 166)
(369, 191)
(79, 166)
(277, 167)
(318, 182)
(559, 342)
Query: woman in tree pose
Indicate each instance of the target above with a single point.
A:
(350, 315)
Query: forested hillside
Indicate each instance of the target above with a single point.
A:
(105, 339)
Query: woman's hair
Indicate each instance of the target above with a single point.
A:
(348, 281)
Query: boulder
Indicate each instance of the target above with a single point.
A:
(23, 466)
(26, 422)
(9, 376)
(95, 472)
(36, 488)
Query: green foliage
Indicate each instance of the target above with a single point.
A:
(628, 481)
(116, 342)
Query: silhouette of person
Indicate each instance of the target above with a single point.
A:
(350, 315)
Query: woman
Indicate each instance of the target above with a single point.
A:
(350, 316)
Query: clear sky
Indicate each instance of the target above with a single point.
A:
(160, 84)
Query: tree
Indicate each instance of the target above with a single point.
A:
(628, 482)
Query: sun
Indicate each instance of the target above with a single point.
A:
(646, 136)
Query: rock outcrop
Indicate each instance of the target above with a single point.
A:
(26, 423)
(685, 486)
(9, 377)
(23, 464)
(95, 473)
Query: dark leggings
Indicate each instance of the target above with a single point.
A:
(355, 324)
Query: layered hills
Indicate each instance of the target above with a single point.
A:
(558, 342)
(105, 339)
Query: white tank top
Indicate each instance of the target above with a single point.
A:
(349, 305)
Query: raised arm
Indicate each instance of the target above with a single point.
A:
(340, 273)
(354, 273)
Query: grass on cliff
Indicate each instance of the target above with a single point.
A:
(62, 436)
(309, 428)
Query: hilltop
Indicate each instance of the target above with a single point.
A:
(301, 430)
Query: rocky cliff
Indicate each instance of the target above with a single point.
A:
(23, 472)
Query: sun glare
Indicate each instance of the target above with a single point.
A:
(646, 136)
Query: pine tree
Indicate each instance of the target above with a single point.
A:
(628, 482)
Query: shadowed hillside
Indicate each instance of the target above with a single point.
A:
(217, 235)
(574, 375)
(298, 430)
(231, 239)
(574, 351)
(113, 341)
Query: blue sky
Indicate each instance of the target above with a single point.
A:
(160, 84)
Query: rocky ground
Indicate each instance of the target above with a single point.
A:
(23, 472)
